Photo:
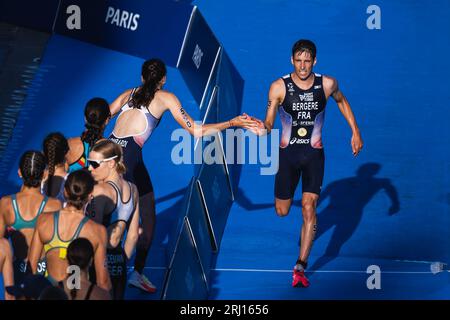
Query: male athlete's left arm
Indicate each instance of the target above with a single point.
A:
(331, 84)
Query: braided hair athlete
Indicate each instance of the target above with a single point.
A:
(19, 212)
(55, 148)
(96, 115)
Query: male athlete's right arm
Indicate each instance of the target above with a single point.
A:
(275, 97)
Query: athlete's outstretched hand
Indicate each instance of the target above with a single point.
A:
(357, 143)
(259, 128)
(243, 121)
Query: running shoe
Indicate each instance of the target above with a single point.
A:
(140, 281)
(299, 279)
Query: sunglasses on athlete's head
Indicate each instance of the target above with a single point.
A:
(96, 163)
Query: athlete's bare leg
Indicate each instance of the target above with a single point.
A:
(282, 207)
(148, 222)
(309, 204)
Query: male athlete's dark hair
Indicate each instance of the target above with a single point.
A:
(153, 71)
(78, 186)
(96, 113)
(55, 149)
(79, 253)
(32, 165)
(110, 149)
(304, 46)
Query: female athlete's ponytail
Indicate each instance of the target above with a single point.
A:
(80, 252)
(96, 114)
(55, 149)
(79, 185)
(32, 165)
(153, 71)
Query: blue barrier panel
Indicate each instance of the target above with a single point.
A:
(232, 88)
(209, 115)
(201, 230)
(38, 15)
(199, 54)
(194, 210)
(207, 94)
(133, 27)
(178, 226)
(216, 195)
(229, 105)
(185, 279)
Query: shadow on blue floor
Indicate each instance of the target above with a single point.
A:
(347, 199)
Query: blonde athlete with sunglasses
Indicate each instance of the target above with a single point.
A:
(115, 202)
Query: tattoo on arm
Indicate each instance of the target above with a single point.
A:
(185, 118)
(271, 104)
